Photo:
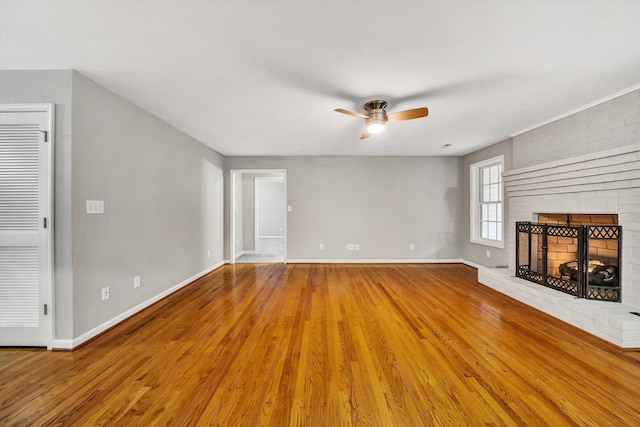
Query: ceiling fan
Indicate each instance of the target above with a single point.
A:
(376, 116)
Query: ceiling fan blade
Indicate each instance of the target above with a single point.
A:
(366, 134)
(408, 114)
(351, 113)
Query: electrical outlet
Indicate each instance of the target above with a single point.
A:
(136, 281)
(208, 254)
(321, 246)
(105, 293)
(488, 253)
(411, 247)
(357, 247)
(351, 247)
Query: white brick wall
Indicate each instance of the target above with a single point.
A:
(612, 124)
(600, 183)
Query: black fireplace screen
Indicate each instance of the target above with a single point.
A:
(581, 260)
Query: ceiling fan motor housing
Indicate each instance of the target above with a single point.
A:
(376, 116)
(375, 111)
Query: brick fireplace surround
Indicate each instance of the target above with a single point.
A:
(605, 182)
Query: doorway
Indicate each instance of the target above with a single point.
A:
(26, 225)
(258, 216)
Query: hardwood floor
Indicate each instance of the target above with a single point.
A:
(329, 345)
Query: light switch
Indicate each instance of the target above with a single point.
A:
(289, 208)
(95, 206)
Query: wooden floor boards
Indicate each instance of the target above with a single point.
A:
(329, 345)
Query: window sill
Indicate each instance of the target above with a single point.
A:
(493, 243)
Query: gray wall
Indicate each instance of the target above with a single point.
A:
(163, 193)
(380, 203)
(270, 208)
(249, 208)
(31, 87)
(157, 184)
(474, 252)
(248, 212)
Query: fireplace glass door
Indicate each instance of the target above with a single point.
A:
(576, 259)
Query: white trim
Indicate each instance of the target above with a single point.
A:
(255, 213)
(577, 110)
(49, 109)
(376, 261)
(486, 242)
(286, 216)
(232, 217)
(64, 344)
(270, 237)
(239, 254)
(32, 108)
(51, 216)
(232, 239)
(472, 264)
(474, 197)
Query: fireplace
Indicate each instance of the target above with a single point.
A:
(578, 254)
(604, 182)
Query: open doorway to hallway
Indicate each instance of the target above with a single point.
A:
(258, 216)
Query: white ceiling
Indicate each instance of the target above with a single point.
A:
(263, 77)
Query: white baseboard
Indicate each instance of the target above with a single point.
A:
(471, 264)
(62, 345)
(375, 261)
(239, 254)
(71, 344)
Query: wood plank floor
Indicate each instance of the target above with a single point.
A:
(329, 345)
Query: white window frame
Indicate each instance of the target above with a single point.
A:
(475, 205)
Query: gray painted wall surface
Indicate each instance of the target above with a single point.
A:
(28, 87)
(380, 203)
(212, 208)
(270, 208)
(248, 212)
(157, 184)
(474, 252)
(163, 193)
(248, 230)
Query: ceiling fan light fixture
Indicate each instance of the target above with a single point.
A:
(375, 126)
(376, 121)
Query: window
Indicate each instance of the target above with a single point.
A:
(487, 202)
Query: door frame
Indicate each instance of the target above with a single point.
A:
(232, 210)
(48, 276)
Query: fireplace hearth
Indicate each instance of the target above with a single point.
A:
(580, 259)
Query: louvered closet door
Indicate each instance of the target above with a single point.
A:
(24, 240)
